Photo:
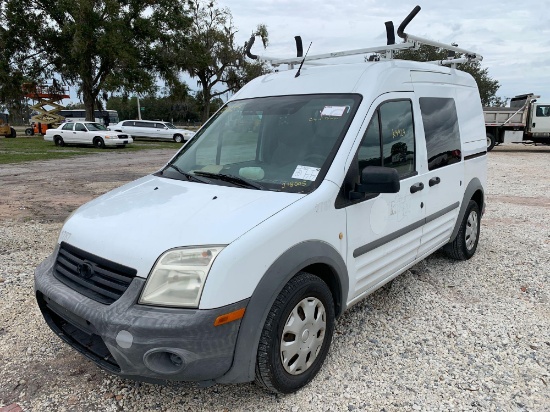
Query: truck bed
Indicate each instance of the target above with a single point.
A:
(495, 116)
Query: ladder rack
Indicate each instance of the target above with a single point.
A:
(385, 52)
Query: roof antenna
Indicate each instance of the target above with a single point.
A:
(303, 60)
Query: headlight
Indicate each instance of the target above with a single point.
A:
(178, 277)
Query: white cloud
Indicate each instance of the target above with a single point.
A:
(513, 37)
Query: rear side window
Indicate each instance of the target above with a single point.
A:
(68, 126)
(144, 124)
(128, 123)
(441, 129)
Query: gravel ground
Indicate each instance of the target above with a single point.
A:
(444, 336)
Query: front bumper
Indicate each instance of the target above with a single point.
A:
(136, 341)
(118, 142)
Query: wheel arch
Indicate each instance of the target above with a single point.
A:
(474, 191)
(315, 257)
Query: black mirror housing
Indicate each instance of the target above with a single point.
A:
(377, 179)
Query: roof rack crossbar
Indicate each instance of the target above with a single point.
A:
(386, 52)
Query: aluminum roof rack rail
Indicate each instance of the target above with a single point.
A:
(385, 52)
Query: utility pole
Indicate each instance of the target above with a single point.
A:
(139, 109)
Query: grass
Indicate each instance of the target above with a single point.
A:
(27, 149)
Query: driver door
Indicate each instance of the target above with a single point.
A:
(384, 230)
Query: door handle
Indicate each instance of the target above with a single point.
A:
(417, 187)
(434, 181)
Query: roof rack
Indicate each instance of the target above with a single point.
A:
(385, 52)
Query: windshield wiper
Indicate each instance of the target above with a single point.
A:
(189, 176)
(232, 179)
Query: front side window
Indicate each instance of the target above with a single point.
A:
(441, 130)
(79, 127)
(389, 139)
(542, 111)
(283, 143)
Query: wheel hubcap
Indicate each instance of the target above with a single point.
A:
(488, 142)
(303, 335)
(471, 230)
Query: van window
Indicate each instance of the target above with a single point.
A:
(441, 130)
(285, 143)
(389, 139)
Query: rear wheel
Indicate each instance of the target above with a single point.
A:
(29, 131)
(178, 138)
(13, 133)
(296, 335)
(58, 140)
(490, 142)
(465, 244)
(99, 143)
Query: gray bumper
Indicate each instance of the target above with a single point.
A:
(136, 341)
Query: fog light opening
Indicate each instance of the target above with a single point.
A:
(164, 361)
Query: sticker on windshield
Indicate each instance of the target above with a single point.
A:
(334, 111)
(306, 173)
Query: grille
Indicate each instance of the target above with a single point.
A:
(122, 136)
(92, 276)
(77, 332)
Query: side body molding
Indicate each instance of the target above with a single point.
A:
(275, 278)
(473, 187)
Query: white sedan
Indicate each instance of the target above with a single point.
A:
(153, 129)
(86, 133)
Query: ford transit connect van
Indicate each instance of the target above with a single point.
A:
(297, 199)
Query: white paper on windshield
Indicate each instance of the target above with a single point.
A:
(306, 173)
(333, 111)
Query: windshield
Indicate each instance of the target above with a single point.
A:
(95, 126)
(283, 143)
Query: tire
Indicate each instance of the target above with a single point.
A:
(178, 138)
(465, 244)
(13, 133)
(58, 140)
(29, 131)
(490, 142)
(99, 143)
(303, 310)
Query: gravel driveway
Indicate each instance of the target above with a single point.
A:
(443, 336)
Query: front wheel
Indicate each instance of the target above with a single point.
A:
(178, 138)
(99, 143)
(296, 336)
(465, 244)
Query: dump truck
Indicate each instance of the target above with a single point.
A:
(525, 121)
(5, 129)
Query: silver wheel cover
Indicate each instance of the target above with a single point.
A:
(471, 230)
(303, 335)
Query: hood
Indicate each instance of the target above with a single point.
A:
(134, 224)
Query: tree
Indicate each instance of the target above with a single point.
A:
(213, 57)
(487, 86)
(98, 46)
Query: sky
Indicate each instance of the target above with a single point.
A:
(513, 37)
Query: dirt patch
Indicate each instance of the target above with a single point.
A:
(523, 201)
(50, 190)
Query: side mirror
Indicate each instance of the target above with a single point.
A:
(377, 179)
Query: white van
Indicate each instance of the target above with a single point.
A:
(301, 196)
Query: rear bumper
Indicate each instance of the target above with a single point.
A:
(136, 341)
